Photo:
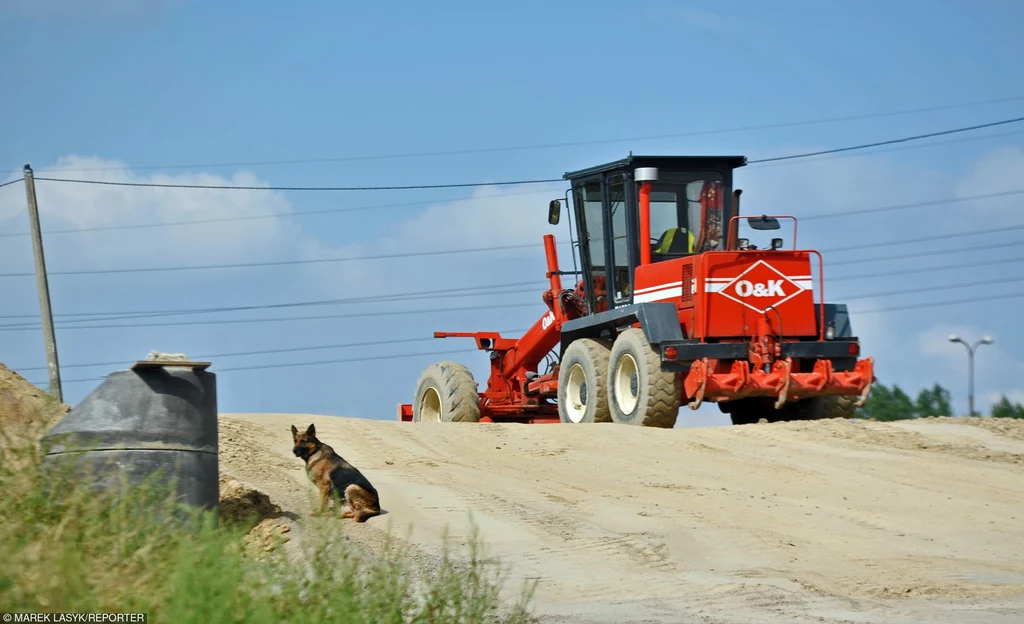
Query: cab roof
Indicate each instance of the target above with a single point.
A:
(662, 162)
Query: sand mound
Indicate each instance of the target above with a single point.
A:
(26, 411)
(239, 504)
(828, 521)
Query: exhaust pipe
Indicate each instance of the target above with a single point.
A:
(734, 229)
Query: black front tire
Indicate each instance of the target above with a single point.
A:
(640, 393)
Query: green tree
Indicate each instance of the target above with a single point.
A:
(934, 401)
(888, 404)
(1005, 409)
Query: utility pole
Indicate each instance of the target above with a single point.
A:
(970, 367)
(43, 286)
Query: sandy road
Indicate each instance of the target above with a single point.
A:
(829, 521)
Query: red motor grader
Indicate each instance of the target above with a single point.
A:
(672, 307)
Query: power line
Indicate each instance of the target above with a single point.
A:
(373, 314)
(468, 291)
(926, 239)
(246, 265)
(910, 291)
(15, 181)
(915, 137)
(297, 213)
(347, 345)
(402, 296)
(317, 363)
(474, 291)
(894, 208)
(481, 250)
(126, 317)
(933, 304)
(939, 304)
(925, 254)
(460, 309)
(303, 188)
(900, 149)
(461, 152)
(947, 267)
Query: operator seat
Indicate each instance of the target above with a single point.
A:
(673, 242)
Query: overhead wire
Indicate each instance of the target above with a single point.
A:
(223, 187)
(461, 152)
(925, 239)
(245, 265)
(318, 347)
(915, 306)
(275, 215)
(401, 296)
(373, 314)
(916, 137)
(912, 291)
(924, 254)
(885, 274)
(502, 306)
(65, 322)
(479, 289)
(908, 206)
(862, 146)
(316, 363)
(840, 156)
(15, 181)
(874, 210)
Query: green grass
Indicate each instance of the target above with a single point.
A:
(65, 548)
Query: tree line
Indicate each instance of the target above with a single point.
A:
(885, 403)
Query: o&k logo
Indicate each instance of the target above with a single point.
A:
(759, 287)
(548, 319)
(744, 288)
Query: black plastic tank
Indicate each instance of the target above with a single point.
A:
(158, 415)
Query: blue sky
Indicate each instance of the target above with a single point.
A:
(151, 83)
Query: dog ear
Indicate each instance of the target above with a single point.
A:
(311, 431)
(295, 432)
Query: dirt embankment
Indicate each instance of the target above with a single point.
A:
(829, 521)
(25, 410)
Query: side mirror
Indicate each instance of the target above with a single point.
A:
(554, 211)
(764, 222)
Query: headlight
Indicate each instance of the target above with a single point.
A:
(830, 331)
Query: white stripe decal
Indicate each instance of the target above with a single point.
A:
(658, 295)
(658, 287)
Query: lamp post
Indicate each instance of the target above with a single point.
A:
(970, 366)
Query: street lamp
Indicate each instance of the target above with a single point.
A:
(970, 366)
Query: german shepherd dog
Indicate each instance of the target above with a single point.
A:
(335, 478)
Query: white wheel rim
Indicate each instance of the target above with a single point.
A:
(625, 372)
(575, 409)
(430, 406)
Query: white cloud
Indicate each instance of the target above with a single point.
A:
(73, 206)
(490, 217)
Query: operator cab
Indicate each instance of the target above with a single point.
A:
(690, 202)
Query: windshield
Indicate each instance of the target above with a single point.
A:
(681, 204)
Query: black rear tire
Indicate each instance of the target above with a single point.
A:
(583, 382)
